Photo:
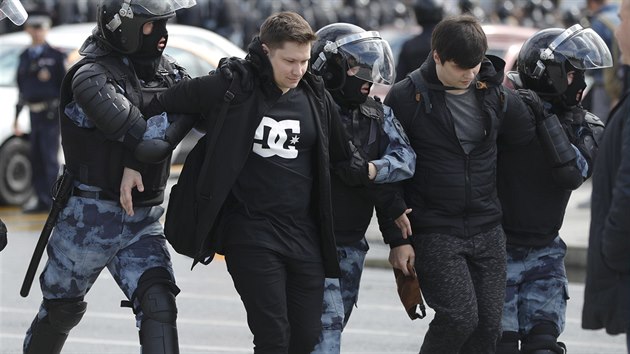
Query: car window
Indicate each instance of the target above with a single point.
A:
(9, 55)
(194, 65)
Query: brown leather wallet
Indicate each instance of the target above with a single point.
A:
(409, 293)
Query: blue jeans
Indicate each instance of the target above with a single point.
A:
(341, 296)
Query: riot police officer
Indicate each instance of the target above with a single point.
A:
(14, 11)
(101, 100)
(551, 65)
(350, 60)
(40, 71)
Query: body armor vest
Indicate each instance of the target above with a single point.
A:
(97, 161)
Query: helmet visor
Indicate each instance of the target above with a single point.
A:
(583, 48)
(370, 59)
(14, 10)
(164, 7)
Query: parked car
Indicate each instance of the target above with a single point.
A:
(198, 50)
(503, 41)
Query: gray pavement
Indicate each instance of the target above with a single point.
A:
(211, 316)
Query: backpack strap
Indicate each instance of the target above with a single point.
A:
(422, 92)
(212, 140)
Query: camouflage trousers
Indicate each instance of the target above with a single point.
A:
(93, 234)
(537, 287)
(341, 296)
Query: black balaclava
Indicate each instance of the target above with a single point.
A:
(350, 93)
(147, 58)
(573, 94)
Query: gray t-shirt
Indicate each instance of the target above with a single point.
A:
(467, 117)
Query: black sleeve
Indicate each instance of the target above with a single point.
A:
(104, 103)
(346, 160)
(389, 205)
(585, 137)
(195, 96)
(518, 126)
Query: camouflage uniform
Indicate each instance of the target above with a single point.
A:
(341, 295)
(537, 287)
(93, 234)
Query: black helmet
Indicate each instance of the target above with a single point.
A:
(547, 57)
(428, 11)
(341, 46)
(121, 21)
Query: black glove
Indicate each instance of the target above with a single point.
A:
(236, 68)
(3, 235)
(539, 108)
(353, 172)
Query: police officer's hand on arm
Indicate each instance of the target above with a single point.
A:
(535, 104)
(131, 179)
(402, 222)
(236, 68)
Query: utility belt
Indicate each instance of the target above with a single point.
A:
(38, 107)
(98, 195)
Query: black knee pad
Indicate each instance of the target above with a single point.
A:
(49, 334)
(542, 339)
(156, 294)
(65, 315)
(508, 344)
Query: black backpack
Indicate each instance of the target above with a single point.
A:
(182, 215)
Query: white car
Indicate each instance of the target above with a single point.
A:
(196, 49)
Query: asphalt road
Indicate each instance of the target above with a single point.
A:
(211, 315)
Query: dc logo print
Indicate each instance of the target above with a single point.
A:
(271, 138)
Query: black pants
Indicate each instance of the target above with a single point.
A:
(463, 280)
(282, 296)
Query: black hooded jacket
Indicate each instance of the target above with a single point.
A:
(453, 192)
(205, 95)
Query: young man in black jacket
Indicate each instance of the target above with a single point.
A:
(535, 182)
(269, 210)
(454, 110)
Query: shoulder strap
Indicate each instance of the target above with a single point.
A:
(422, 92)
(212, 140)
